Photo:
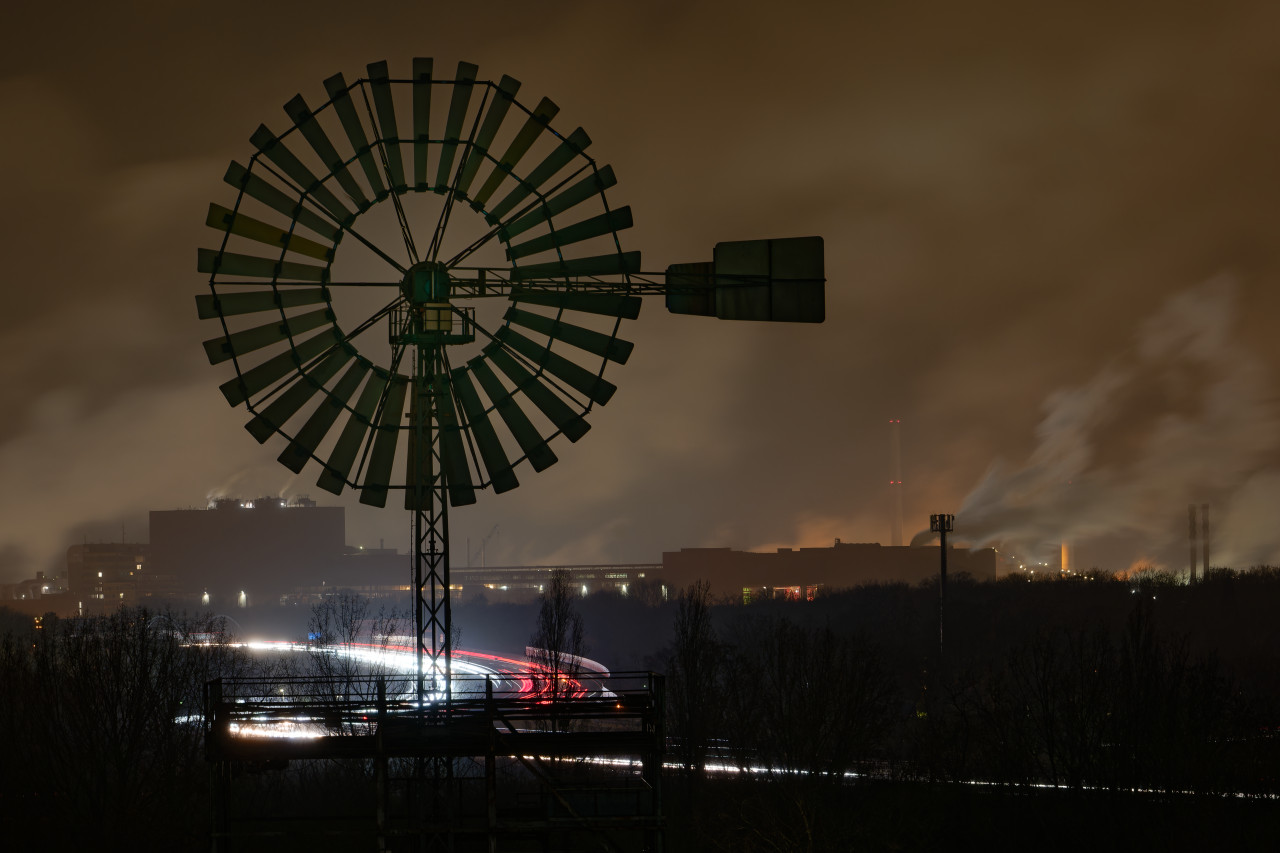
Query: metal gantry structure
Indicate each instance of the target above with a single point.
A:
(420, 179)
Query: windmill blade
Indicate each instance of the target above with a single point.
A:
(378, 475)
(255, 187)
(552, 163)
(340, 94)
(453, 458)
(458, 104)
(535, 448)
(246, 341)
(336, 469)
(287, 404)
(621, 263)
(453, 453)
(496, 464)
(596, 343)
(421, 120)
(537, 122)
(557, 411)
(214, 262)
(277, 152)
(258, 379)
(304, 444)
(306, 122)
(592, 302)
(576, 377)
(388, 135)
(588, 188)
(231, 222)
(608, 222)
(502, 99)
(210, 305)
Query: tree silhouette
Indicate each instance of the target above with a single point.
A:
(694, 676)
(103, 733)
(557, 645)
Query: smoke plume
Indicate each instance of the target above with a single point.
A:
(1185, 415)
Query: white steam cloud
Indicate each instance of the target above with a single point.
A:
(1186, 416)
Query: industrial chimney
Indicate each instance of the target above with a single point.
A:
(1204, 537)
(1191, 540)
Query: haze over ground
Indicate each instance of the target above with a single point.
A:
(1050, 248)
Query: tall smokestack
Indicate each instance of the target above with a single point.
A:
(895, 481)
(1066, 558)
(1204, 536)
(1191, 539)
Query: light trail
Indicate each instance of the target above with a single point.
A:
(294, 708)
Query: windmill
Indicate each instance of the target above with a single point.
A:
(499, 286)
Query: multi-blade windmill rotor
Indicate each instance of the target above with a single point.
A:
(424, 392)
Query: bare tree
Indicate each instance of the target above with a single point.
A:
(557, 646)
(694, 675)
(349, 648)
(102, 727)
(803, 700)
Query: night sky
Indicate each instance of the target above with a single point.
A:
(1050, 249)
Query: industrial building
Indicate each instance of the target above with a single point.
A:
(267, 551)
(237, 553)
(101, 576)
(800, 573)
(37, 596)
(523, 583)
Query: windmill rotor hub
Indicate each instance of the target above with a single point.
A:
(427, 282)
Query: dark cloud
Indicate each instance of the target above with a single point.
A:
(1011, 195)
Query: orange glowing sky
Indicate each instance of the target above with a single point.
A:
(1051, 251)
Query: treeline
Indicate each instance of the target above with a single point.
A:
(1103, 683)
(103, 730)
(1105, 687)
(102, 738)
(1101, 686)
